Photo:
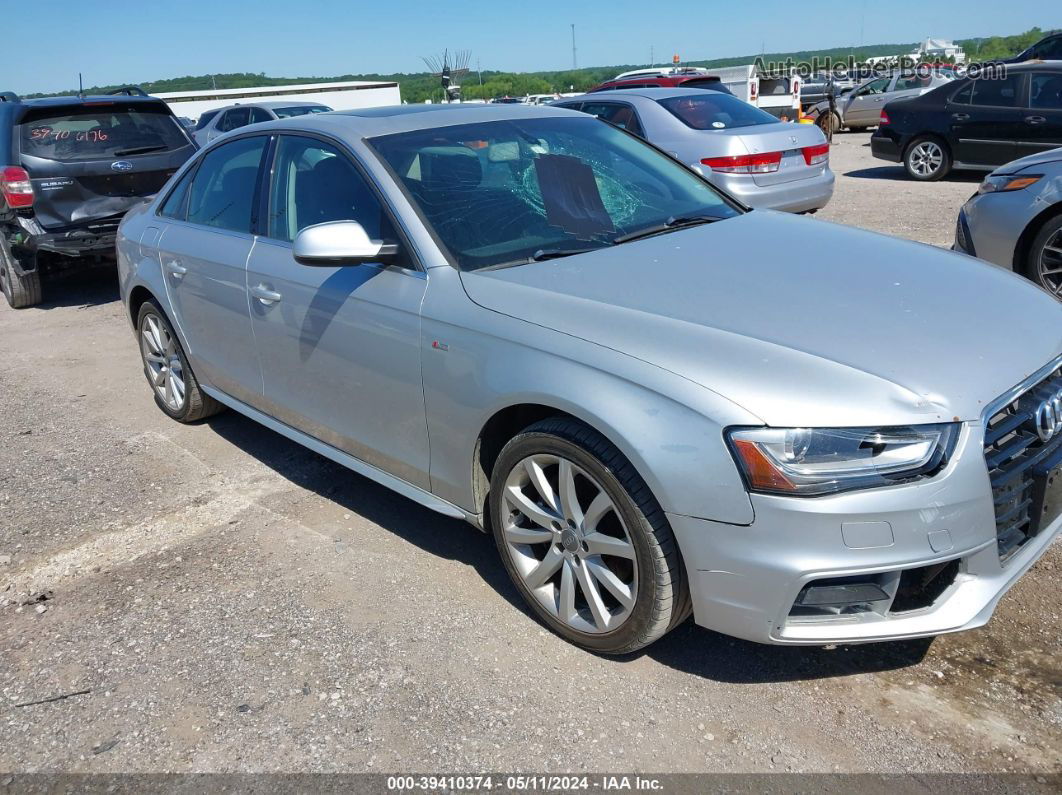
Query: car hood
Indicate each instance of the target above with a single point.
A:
(798, 321)
(1039, 159)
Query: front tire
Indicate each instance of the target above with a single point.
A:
(1044, 263)
(927, 159)
(176, 390)
(20, 289)
(584, 540)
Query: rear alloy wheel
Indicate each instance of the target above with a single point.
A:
(827, 120)
(176, 390)
(1044, 265)
(20, 289)
(584, 541)
(927, 159)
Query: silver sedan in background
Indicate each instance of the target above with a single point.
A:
(763, 162)
(1015, 219)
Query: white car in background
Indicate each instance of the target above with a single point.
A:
(218, 122)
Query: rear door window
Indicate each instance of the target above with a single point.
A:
(223, 190)
(259, 115)
(235, 118)
(100, 131)
(205, 119)
(1005, 93)
(619, 114)
(1046, 92)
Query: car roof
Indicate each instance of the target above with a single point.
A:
(654, 93)
(272, 103)
(370, 122)
(43, 102)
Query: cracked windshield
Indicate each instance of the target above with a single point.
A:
(516, 191)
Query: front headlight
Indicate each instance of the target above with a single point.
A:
(814, 461)
(1007, 182)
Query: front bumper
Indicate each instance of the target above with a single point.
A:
(993, 224)
(797, 196)
(746, 579)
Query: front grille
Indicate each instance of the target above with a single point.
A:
(1013, 449)
(137, 183)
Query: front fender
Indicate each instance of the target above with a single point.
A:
(670, 428)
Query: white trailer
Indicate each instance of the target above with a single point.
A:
(779, 95)
(338, 96)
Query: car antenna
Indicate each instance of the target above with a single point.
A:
(80, 87)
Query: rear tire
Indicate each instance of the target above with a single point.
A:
(176, 389)
(595, 557)
(927, 159)
(1043, 265)
(20, 290)
(827, 120)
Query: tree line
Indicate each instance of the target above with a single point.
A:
(422, 86)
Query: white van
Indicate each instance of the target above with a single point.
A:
(778, 95)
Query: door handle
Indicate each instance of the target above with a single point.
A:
(1035, 119)
(265, 296)
(960, 116)
(176, 269)
(880, 99)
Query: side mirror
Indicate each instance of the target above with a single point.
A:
(340, 243)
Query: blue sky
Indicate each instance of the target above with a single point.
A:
(111, 41)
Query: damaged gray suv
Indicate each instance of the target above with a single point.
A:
(534, 321)
(69, 169)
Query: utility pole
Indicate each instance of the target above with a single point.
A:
(652, 56)
(214, 82)
(480, 71)
(575, 62)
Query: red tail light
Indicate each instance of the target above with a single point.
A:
(815, 155)
(15, 187)
(762, 163)
(884, 119)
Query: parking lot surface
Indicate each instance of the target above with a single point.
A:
(220, 599)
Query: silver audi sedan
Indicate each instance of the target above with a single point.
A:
(766, 163)
(658, 402)
(1015, 219)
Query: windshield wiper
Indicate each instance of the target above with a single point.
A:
(139, 150)
(541, 256)
(670, 225)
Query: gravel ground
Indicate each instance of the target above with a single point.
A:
(224, 600)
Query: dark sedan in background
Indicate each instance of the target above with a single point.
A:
(974, 123)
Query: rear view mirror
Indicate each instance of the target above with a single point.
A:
(340, 243)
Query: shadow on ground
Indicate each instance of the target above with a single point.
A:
(91, 285)
(898, 173)
(689, 648)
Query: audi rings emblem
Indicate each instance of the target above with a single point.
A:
(1049, 417)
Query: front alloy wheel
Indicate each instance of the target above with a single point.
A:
(583, 539)
(569, 544)
(1045, 258)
